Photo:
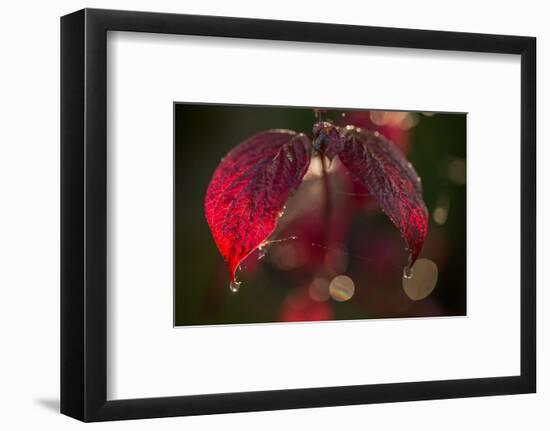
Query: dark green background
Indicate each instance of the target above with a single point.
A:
(205, 133)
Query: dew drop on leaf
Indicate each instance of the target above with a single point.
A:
(288, 154)
(234, 286)
(262, 250)
(407, 272)
(408, 269)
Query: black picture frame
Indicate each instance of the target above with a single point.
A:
(84, 214)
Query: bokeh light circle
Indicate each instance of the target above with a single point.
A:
(341, 288)
(319, 289)
(423, 280)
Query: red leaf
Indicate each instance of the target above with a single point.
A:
(391, 179)
(249, 189)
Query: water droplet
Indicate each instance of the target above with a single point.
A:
(262, 250)
(234, 286)
(289, 155)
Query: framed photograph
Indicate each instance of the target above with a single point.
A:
(262, 215)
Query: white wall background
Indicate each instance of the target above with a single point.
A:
(29, 220)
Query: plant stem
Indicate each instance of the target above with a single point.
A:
(327, 208)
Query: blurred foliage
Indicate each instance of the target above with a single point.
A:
(365, 245)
